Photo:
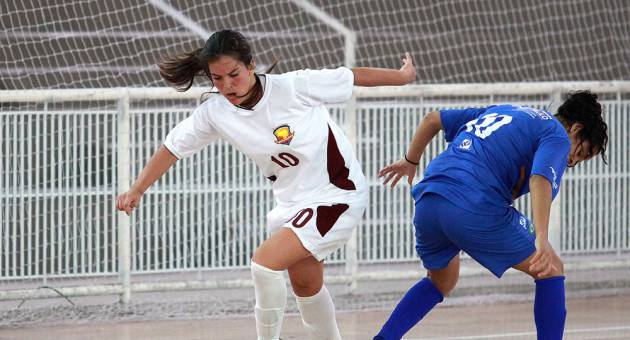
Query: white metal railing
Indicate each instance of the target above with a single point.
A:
(67, 153)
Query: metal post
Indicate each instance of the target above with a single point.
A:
(124, 222)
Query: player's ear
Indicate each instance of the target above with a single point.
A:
(576, 128)
(252, 65)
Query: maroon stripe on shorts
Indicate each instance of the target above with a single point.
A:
(328, 216)
(337, 171)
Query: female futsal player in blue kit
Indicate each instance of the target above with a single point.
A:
(464, 202)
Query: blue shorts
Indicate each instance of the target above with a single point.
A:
(498, 242)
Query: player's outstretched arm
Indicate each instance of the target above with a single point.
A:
(428, 128)
(370, 76)
(161, 161)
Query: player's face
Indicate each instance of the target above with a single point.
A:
(580, 148)
(232, 78)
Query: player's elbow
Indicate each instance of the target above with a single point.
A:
(539, 182)
(433, 119)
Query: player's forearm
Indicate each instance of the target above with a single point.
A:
(369, 76)
(428, 128)
(540, 191)
(161, 161)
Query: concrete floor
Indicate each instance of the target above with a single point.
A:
(592, 318)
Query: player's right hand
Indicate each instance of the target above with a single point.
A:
(396, 171)
(128, 201)
(542, 262)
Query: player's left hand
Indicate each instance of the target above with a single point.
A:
(408, 69)
(542, 262)
(395, 171)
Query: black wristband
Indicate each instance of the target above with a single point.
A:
(414, 163)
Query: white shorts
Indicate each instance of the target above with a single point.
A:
(322, 226)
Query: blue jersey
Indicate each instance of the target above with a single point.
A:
(490, 150)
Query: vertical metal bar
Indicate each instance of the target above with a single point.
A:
(626, 181)
(59, 201)
(213, 204)
(4, 192)
(36, 195)
(178, 226)
(158, 223)
(90, 193)
(614, 178)
(201, 208)
(206, 206)
(67, 195)
(592, 208)
(16, 190)
(246, 220)
(4, 197)
(24, 210)
(172, 193)
(99, 169)
(74, 192)
(184, 224)
(166, 223)
(123, 176)
(380, 196)
(29, 193)
(361, 157)
(372, 206)
(108, 176)
(83, 192)
(221, 195)
(241, 224)
(137, 233)
(231, 208)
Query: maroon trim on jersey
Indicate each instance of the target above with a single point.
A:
(337, 171)
(328, 216)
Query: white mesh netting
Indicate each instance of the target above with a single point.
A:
(89, 43)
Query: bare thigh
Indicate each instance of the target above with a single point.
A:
(280, 251)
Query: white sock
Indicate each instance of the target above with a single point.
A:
(318, 315)
(271, 298)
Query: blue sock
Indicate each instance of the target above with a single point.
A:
(418, 301)
(549, 308)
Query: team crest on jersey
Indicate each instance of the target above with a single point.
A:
(466, 144)
(283, 134)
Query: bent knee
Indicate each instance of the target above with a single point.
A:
(560, 267)
(304, 288)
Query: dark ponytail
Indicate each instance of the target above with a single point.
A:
(583, 107)
(182, 69)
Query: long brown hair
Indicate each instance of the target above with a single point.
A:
(182, 69)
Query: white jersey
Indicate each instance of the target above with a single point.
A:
(288, 134)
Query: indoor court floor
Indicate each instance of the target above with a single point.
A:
(592, 318)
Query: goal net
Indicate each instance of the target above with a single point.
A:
(90, 43)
